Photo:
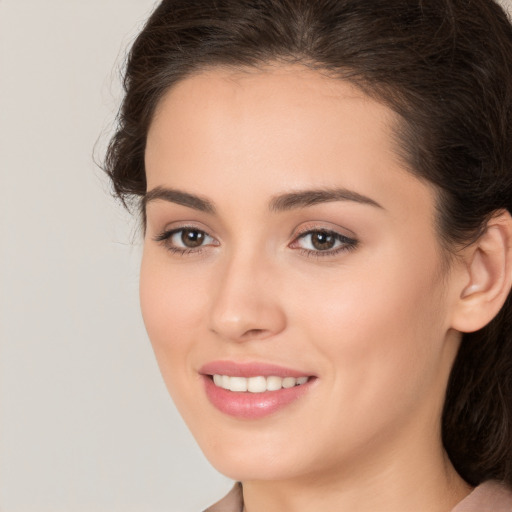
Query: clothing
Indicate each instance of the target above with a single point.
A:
(490, 496)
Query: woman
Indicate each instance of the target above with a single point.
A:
(325, 191)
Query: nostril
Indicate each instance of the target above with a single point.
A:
(254, 333)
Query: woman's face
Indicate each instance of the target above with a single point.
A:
(288, 251)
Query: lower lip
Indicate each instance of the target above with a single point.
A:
(252, 405)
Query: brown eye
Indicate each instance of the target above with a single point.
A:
(185, 240)
(322, 240)
(192, 238)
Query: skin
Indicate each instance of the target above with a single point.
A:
(373, 322)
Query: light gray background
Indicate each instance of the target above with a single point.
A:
(85, 421)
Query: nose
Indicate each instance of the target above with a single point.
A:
(245, 305)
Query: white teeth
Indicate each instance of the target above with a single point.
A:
(274, 383)
(289, 382)
(237, 384)
(258, 384)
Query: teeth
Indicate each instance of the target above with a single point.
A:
(274, 383)
(237, 384)
(289, 382)
(258, 384)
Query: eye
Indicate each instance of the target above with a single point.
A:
(323, 241)
(185, 239)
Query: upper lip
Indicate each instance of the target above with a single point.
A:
(250, 369)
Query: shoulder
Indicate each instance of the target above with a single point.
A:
(232, 502)
(491, 496)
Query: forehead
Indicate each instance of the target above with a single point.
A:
(280, 95)
(275, 129)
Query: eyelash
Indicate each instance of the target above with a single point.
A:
(346, 243)
(165, 237)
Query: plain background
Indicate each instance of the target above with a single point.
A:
(85, 421)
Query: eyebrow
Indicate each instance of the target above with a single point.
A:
(178, 197)
(280, 203)
(307, 198)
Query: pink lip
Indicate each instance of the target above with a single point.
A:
(251, 405)
(249, 370)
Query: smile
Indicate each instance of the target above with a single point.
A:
(251, 391)
(258, 384)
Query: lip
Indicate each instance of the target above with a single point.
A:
(250, 369)
(252, 406)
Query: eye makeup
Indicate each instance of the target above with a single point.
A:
(322, 242)
(185, 240)
(311, 242)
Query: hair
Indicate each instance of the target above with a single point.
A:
(444, 66)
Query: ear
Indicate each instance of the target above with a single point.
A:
(486, 279)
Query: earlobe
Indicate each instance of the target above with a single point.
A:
(488, 276)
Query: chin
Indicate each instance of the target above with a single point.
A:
(254, 470)
(254, 459)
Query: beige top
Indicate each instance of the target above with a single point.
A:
(488, 497)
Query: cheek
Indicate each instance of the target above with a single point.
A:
(381, 329)
(171, 303)
(378, 293)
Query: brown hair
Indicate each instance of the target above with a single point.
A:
(445, 66)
